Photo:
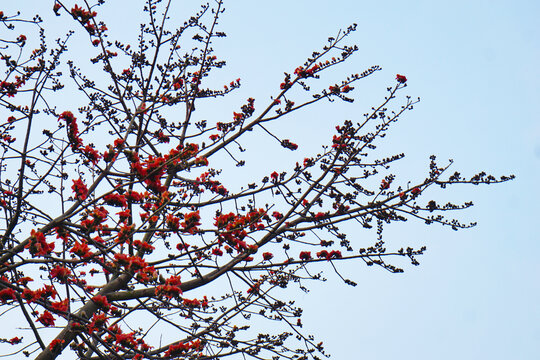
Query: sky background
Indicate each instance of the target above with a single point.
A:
(474, 64)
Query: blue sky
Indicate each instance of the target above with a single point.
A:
(475, 66)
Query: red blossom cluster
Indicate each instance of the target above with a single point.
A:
(60, 306)
(340, 142)
(385, 184)
(15, 340)
(161, 137)
(37, 244)
(180, 348)
(91, 154)
(401, 79)
(80, 189)
(143, 246)
(60, 273)
(102, 302)
(92, 221)
(195, 303)
(190, 223)
(305, 73)
(171, 288)
(213, 185)
(6, 295)
(115, 199)
(81, 249)
(56, 345)
(82, 15)
(334, 254)
(33, 295)
(124, 235)
(334, 89)
(289, 145)
(47, 319)
(233, 228)
(10, 88)
(98, 321)
(126, 340)
(151, 172)
(73, 130)
(177, 84)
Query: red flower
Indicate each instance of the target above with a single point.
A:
(171, 287)
(143, 246)
(319, 216)
(77, 326)
(334, 89)
(192, 303)
(178, 84)
(30, 295)
(21, 38)
(305, 255)
(254, 289)
(267, 255)
(24, 280)
(180, 348)
(60, 306)
(133, 196)
(217, 252)
(173, 222)
(47, 291)
(98, 321)
(136, 263)
(46, 319)
(80, 189)
(416, 191)
(115, 200)
(102, 302)
(92, 154)
(274, 176)
(56, 345)
(61, 273)
(191, 220)
(401, 79)
(323, 254)
(96, 42)
(37, 245)
(201, 161)
(289, 145)
(126, 340)
(15, 340)
(73, 132)
(6, 295)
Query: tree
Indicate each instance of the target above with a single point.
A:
(120, 240)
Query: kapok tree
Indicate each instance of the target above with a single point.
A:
(119, 241)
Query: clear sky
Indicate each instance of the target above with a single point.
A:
(475, 65)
